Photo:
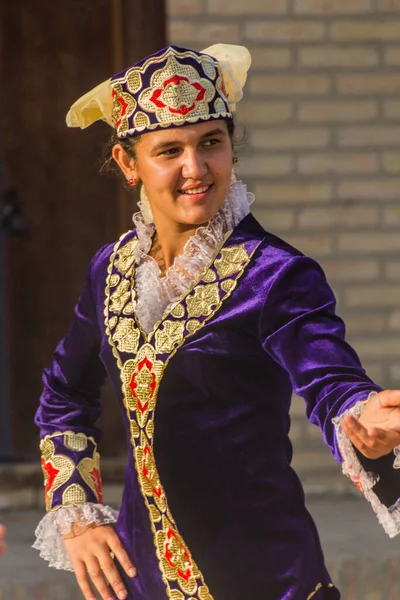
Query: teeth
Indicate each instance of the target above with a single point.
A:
(199, 190)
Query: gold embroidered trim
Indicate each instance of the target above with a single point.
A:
(319, 587)
(141, 378)
(74, 494)
(58, 468)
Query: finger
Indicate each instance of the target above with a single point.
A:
(390, 398)
(387, 438)
(113, 577)
(121, 555)
(82, 578)
(372, 444)
(97, 576)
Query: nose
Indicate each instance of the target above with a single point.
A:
(193, 166)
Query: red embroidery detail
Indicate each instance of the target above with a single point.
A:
(146, 473)
(183, 109)
(133, 384)
(52, 473)
(359, 485)
(124, 106)
(171, 536)
(96, 477)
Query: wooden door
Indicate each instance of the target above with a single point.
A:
(50, 54)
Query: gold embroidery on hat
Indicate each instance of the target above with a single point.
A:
(219, 105)
(176, 91)
(141, 120)
(208, 65)
(123, 107)
(133, 81)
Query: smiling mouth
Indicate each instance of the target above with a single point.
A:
(202, 189)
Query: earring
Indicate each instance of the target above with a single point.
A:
(235, 160)
(132, 181)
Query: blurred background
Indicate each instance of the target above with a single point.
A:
(321, 116)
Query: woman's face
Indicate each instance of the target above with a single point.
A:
(186, 171)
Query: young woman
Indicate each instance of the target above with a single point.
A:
(204, 323)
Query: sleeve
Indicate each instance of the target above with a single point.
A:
(302, 333)
(69, 407)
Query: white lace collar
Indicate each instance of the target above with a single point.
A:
(154, 293)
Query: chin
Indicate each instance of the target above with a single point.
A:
(200, 215)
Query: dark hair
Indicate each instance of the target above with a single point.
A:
(129, 145)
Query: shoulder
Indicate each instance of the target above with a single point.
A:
(277, 264)
(98, 265)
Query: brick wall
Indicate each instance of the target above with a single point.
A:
(322, 117)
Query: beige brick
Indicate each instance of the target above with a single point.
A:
(370, 189)
(338, 111)
(392, 271)
(283, 138)
(369, 243)
(391, 109)
(250, 7)
(373, 296)
(331, 7)
(388, 5)
(298, 407)
(391, 215)
(376, 30)
(341, 163)
(205, 33)
(394, 321)
(296, 433)
(365, 324)
(392, 56)
(377, 346)
(369, 135)
(180, 8)
(294, 193)
(289, 85)
(339, 269)
(394, 373)
(312, 245)
(268, 57)
(338, 216)
(259, 165)
(332, 57)
(274, 220)
(375, 84)
(376, 372)
(391, 162)
(284, 31)
(264, 113)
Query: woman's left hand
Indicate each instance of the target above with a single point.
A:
(377, 431)
(2, 537)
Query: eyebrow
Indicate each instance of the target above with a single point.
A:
(163, 145)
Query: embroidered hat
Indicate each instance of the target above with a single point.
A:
(170, 88)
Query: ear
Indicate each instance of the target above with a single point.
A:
(125, 162)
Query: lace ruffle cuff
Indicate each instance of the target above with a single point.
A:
(71, 469)
(364, 478)
(59, 522)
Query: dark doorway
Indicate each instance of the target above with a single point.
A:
(50, 54)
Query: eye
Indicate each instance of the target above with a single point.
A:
(211, 142)
(169, 152)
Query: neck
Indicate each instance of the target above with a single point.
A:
(169, 242)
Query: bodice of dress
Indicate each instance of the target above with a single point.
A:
(154, 293)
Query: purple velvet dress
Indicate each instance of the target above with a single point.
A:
(211, 507)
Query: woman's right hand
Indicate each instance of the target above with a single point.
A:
(90, 550)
